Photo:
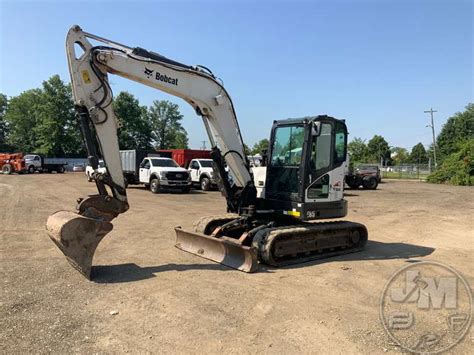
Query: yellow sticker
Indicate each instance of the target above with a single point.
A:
(294, 213)
(86, 77)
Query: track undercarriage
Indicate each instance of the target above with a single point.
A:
(242, 243)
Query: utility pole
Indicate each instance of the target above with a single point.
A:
(431, 111)
(203, 145)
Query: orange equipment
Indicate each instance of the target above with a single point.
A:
(11, 163)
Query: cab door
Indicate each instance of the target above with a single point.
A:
(194, 170)
(144, 173)
(326, 164)
(284, 169)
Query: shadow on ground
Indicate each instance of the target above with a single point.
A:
(373, 251)
(349, 194)
(132, 272)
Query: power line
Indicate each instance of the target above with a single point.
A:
(431, 111)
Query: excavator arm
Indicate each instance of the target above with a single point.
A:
(78, 234)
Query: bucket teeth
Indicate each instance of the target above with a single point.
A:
(77, 237)
(220, 250)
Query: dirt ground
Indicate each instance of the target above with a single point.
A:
(173, 302)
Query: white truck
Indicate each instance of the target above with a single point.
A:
(35, 162)
(163, 173)
(202, 173)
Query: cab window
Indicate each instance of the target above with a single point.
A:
(321, 148)
(320, 188)
(288, 146)
(340, 143)
(145, 164)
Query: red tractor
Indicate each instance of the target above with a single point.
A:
(11, 163)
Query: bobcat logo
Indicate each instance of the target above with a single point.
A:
(148, 72)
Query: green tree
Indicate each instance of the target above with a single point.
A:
(247, 150)
(378, 148)
(458, 167)
(135, 130)
(167, 131)
(260, 146)
(458, 129)
(357, 150)
(399, 155)
(418, 154)
(3, 123)
(181, 140)
(56, 127)
(22, 118)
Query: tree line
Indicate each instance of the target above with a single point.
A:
(456, 132)
(42, 121)
(377, 150)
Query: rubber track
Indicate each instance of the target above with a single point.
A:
(264, 241)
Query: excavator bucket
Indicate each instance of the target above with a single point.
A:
(77, 237)
(221, 250)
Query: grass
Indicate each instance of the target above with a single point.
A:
(405, 175)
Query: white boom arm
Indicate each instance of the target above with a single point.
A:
(196, 86)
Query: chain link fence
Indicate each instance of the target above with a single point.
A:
(406, 171)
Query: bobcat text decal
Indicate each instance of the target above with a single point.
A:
(161, 77)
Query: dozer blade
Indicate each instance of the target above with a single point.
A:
(221, 250)
(77, 237)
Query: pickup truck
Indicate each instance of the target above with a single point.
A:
(34, 162)
(367, 176)
(159, 173)
(202, 174)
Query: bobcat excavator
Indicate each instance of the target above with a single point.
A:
(268, 215)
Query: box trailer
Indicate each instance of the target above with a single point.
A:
(131, 160)
(184, 156)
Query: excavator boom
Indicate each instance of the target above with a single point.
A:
(78, 234)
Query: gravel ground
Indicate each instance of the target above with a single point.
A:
(148, 296)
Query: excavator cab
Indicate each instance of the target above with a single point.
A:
(304, 182)
(305, 168)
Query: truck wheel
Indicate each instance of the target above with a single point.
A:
(7, 169)
(155, 186)
(370, 183)
(205, 183)
(31, 169)
(60, 170)
(353, 182)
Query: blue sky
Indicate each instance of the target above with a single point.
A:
(377, 64)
